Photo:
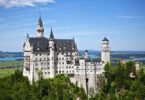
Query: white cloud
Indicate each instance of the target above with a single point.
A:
(23, 3)
(131, 17)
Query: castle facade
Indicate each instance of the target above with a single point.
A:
(48, 57)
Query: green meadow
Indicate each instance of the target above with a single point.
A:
(6, 72)
(12, 64)
(8, 67)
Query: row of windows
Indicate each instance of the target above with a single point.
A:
(43, 68)
(40, 59)
(59, 72)
(36, 64)
(84, 71)
(66, 72)
(60, 63)
(67, 67)
(39, 54)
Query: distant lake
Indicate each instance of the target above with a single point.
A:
(139, 59)
(11, 58)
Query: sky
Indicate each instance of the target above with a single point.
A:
(87, 21)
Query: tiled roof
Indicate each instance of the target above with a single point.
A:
(61, 45)
(39, 44)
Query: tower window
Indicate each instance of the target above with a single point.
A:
(36, 64)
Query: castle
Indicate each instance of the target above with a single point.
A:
(48, 57)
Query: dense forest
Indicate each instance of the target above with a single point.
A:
(121, 82)
(17, 87)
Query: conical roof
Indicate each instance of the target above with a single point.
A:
(40, 22)
(105, 39)
(51, 34)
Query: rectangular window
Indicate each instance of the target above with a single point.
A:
(36, 64)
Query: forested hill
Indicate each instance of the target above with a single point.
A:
(10, 54)
(120, 82)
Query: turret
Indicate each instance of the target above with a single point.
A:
(86, 54)
(52, 54)
(105, 53)
(51, 37)
(40, 29)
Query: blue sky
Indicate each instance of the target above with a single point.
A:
(88, 21)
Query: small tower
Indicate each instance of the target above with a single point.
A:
(105, 53)
(86, 54)
(40, 29)
(52, 54)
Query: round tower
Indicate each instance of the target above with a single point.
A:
(86, 54)
(40, 29)
(52, 54)
(105, 53)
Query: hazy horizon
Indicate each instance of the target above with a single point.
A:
(84, 50)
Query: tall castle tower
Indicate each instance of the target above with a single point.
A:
(105, 53)
(40, 29)
(52, 54)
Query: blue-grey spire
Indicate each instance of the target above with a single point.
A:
(51, 34)
(40, 22)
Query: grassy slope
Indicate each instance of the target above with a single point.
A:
(6, 72)
(11, 63)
